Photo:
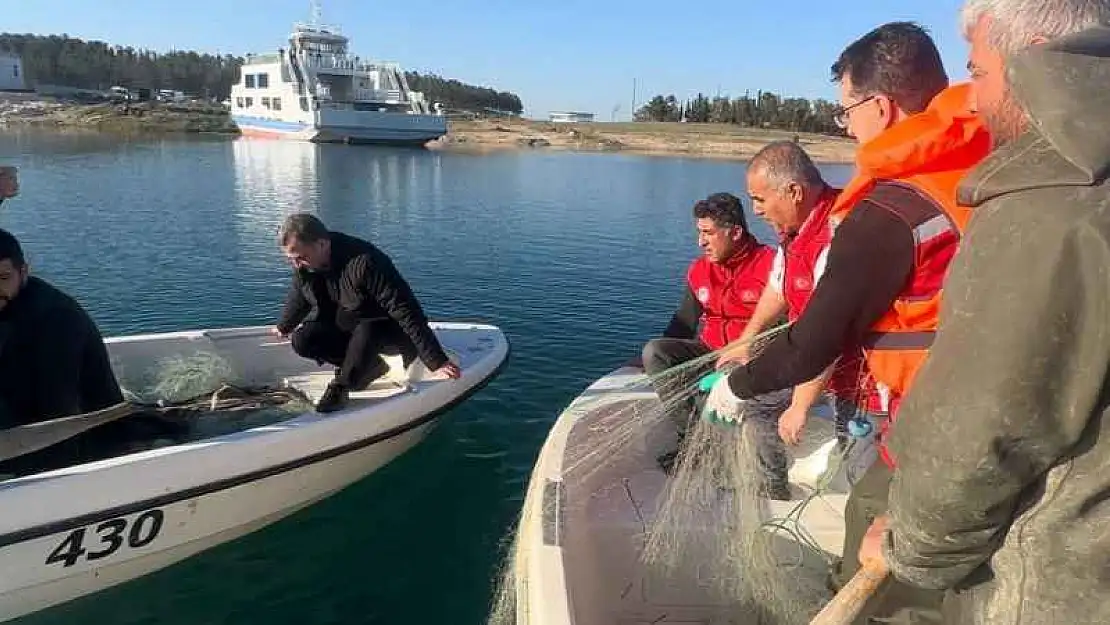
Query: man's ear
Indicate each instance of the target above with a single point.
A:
(795, 192)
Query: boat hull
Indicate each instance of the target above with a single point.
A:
(355, 127)
(119, 519)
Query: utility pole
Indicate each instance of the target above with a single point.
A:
(633, 99)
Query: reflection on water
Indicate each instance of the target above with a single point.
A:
(363, 188)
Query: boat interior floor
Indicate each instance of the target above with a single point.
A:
(612, 502)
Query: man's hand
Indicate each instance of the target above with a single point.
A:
(738, 354)
(871, 549)
(722, 405)
(791, 424)
(276, 332)
(450, 370)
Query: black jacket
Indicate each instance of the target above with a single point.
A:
(53, 362)
(362, 284)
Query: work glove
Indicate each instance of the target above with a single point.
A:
(722, 405)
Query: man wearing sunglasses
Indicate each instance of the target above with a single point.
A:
(897, 227)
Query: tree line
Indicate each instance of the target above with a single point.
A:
(67, 61)
(456, 95)
(764, 110)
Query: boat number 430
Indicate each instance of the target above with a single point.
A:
(94, 542)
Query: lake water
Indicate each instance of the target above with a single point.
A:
(578, 257)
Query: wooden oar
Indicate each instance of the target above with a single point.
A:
(24, 439)
(847, 604)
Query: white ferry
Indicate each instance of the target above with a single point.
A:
(315, 91)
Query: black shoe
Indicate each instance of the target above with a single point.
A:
(335, 398)
(667, 461)
(377, 369)
(776, 491)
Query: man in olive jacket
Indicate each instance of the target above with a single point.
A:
(347, 305)
(1003, 446)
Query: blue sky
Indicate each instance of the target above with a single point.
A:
(564, 55)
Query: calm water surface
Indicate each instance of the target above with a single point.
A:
(578, 257)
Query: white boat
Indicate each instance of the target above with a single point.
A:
(314, 90)
(80, 529)
(578, 554)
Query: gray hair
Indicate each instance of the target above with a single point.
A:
(1014, 23)
(784, 162)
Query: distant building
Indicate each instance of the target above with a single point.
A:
(570, 117)
(11, 73)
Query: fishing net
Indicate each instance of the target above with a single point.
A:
(200, 395)
(755, 563)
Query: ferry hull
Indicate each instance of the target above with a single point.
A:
(360, 127)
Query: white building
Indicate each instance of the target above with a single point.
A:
(11, 73)
(570, 117)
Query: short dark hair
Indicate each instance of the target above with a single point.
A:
(899, 60)
(725, 209)
(10, 249)
(304, 227)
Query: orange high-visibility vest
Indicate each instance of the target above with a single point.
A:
(930, 153)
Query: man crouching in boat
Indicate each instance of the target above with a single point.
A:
(347, 305)
(724, 286)
(53, 362)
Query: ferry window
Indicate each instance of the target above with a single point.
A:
(239, 102)
(263, 81)
(304, 103)
(276, 103)
(249, 81)
(266, 102)
(250, 102)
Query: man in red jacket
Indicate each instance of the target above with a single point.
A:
(788, 191)
(723, 288)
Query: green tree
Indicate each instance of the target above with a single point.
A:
(763, 110)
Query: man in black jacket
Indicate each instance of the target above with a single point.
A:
(53, 361)
(347, 305)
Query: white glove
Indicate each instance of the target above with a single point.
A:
(722, 405)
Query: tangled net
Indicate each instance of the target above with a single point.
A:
(195, 397)
(760, 568)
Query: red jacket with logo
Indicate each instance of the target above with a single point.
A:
(850, 380)
(729, 291)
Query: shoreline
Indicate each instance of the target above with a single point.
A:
(153, 118)
(710, 141)
(687, 140)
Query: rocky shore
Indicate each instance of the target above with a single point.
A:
(140, 117)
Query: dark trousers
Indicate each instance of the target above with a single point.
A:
(357, 353)
(674, 391)
(894, 602)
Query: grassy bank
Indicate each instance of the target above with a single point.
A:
(664, 138)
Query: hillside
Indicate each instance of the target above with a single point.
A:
(64, 60)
